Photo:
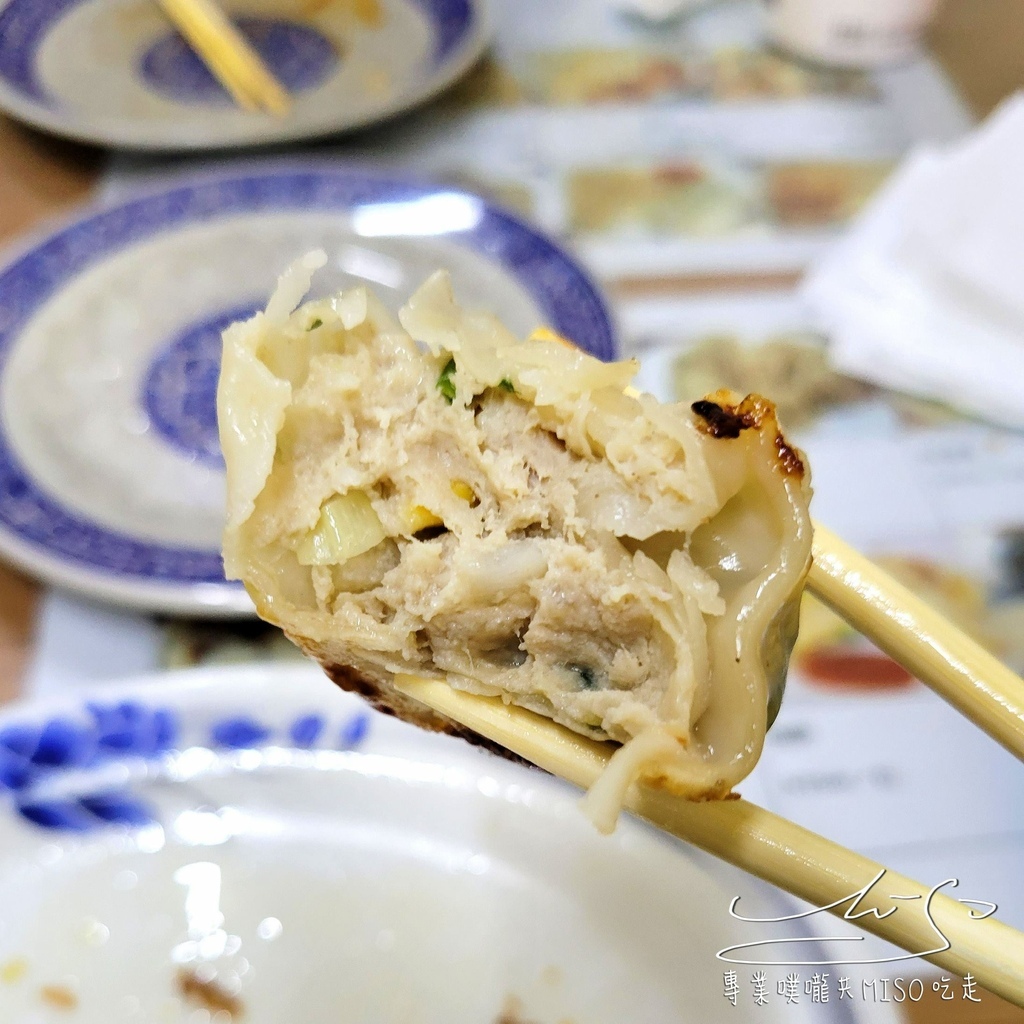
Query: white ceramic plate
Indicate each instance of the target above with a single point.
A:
(259, 835)
(111, 479)
(115, 72)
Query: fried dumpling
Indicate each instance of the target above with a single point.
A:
(435, 496)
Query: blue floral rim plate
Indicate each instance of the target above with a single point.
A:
(116, 73)
(252, 844)
(111, 480)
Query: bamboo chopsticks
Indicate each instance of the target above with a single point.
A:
(228, 55)
(779, 851)
(759, 842)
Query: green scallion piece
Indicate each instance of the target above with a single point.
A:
(445, 384)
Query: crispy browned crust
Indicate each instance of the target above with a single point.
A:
(383, 697)
(721, 416)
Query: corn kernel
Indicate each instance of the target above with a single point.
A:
(546, 334)
(419, 517)
(462, 490)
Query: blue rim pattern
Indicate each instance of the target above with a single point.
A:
(34, 755)
(299, 56)
(24, 25)
(452, 21)
(179, 392)
(566, 296)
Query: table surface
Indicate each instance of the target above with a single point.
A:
(40, 178)
(976, 41)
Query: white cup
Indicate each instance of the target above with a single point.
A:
(850, 33)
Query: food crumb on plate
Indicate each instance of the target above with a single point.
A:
(60, 997)
(12, 971)
(209, 995)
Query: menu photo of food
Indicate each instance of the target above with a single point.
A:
(809, 392)
(821, 193)
(636, 74)
(830, 657)
(700, 199)
(585, 77)
(679, 198)
(738, 74)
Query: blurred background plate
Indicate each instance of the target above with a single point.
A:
(111, 479)
(255, 843)
(116, 73)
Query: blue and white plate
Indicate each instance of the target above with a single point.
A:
(252, 844)
(111, 480)
(115, 72)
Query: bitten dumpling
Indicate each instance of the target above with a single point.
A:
(436, 496)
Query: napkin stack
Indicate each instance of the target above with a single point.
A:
(926, 293)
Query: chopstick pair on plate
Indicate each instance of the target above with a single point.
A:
(228, 55)
(956, 936)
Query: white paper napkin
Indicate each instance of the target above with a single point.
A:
(926, 293)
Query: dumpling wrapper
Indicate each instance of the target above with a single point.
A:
(440, 498)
